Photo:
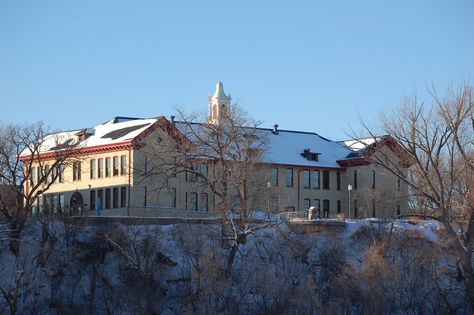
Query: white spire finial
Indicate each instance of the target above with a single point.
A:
(219, 93)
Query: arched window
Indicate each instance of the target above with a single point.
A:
(214, 112)
(204, 202)
(76, 204)
(223, 111)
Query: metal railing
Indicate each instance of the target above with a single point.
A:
(304, 215)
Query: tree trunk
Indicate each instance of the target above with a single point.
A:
(16, 227)
(230, 261)
(465, 260)
(44, 239)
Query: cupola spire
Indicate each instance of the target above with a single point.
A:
(219, 103)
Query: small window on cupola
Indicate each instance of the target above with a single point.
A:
(223, 112)
(214, 112)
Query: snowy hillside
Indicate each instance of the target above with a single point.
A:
(372, 267)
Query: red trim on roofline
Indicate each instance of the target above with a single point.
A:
(353, 162)
(51, 155)
(135, 143)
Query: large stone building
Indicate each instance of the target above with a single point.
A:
(300, 169)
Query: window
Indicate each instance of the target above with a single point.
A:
(92, 199)
(40, 174)
(398, 183)
(373, 208)
(316, 179)
(145, 166)
(326, 208)
(144, 192)
(123, 164)
(325, 179)
(116, 166)
(48, 206)
(355, 179)
(356, 210)
(100, 168)
(192, 174)
(123, 197)
(61, 173)
(175, 160)
(317, 205)
(53, 173)
(173, 197)
(55, 203)
(61, 202)
(50, 175)
(306, 204)
(373, 179)
(306, 179)
(92, 169)
(204, 202)
(40, 205)
(33, 176)
(46, 173)
(192, 202)
(338, 203)
(398, 208)
(76, 170)
(289, 177)
(107, 198)
(100, 199)
(204, 169)
(34, 207)
(107, 167)
(274, 177)
(115, 196)
(338, 180)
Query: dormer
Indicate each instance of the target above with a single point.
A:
(310, 156)
(84, 134)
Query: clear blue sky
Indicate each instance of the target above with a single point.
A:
(306, 65)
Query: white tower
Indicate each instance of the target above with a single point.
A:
(219, 103)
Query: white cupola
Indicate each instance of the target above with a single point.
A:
(219, 103)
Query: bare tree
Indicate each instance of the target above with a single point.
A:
(22, 148)
(437, 143)
(222, 158)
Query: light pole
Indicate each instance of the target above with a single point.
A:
(269, 186)
(349, 188)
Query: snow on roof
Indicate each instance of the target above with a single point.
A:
(111, 132)
(359, 144)
(286, 148)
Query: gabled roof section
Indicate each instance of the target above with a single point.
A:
(114, 132)
(362, 149)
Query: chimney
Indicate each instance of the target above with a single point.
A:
(275, 129)
(172, 120)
